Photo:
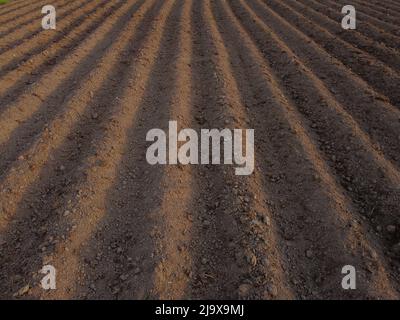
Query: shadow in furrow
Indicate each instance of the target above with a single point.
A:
(39, 223)
(301, 185)
(16, 62)
(15, 10)
(30, 35)
(121, 258)
(25, 134)
(18, 26)
(218, 237)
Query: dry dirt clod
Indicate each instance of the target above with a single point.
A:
(391, 228)
(244, 290)
(24, 290)
(251, 258)
(124, 277)
(273, 290)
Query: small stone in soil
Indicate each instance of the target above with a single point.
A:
(391, 228)
(244, 290)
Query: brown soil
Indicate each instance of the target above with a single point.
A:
(77, 192)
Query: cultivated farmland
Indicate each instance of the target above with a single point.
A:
(76, 191)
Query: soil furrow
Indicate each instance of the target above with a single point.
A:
(12, 43)
(46, 97)
(213, 213)
(78, 137)
(230, 212)
(19, 75)
(351, 92)
(362, 16)
(113, 153)
(387, 7)
(173, 271)
(141, 198)
(30, 8)
(74, 110)
(383, 79)
(288, 125)
(386, 55)
(368, 29)
(15, 5)
(18, 25)
(361, 181)
(41, 46)
(370, 9)
(78, 190)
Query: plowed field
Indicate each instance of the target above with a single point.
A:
(76, 191)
